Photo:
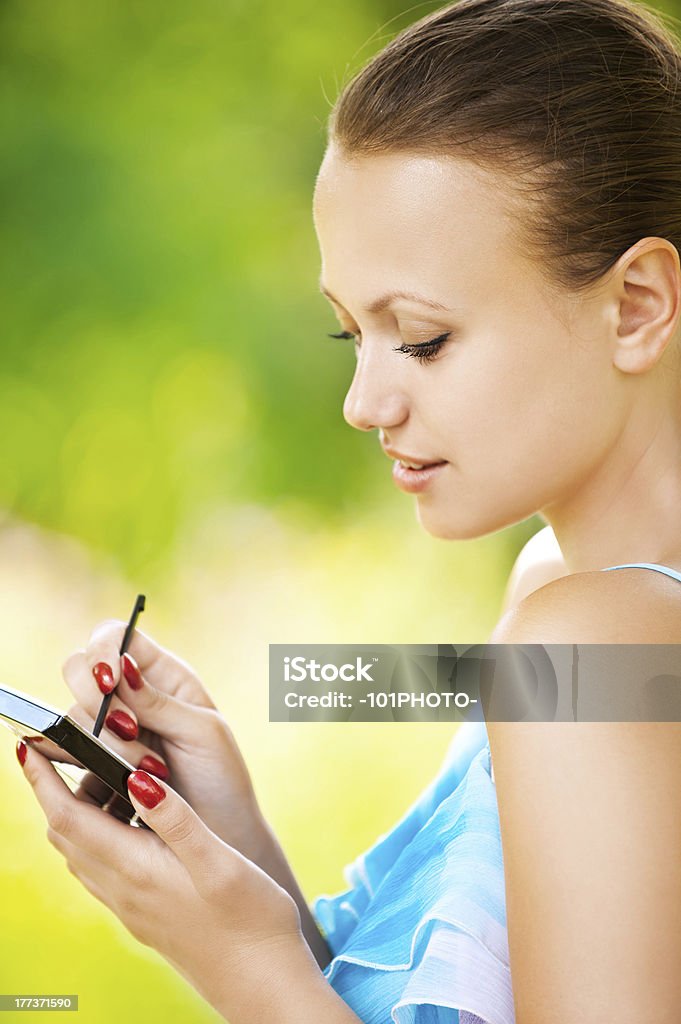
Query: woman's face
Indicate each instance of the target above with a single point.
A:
(522, 400)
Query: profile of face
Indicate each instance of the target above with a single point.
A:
(522, 398)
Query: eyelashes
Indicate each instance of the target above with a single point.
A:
(424, 352)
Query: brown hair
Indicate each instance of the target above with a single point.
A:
(577, 100)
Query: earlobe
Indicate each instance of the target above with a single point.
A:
(647, 284)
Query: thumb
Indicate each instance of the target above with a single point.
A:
(170, 816)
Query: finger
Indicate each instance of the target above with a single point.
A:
(97, 834)
(206, 857)
(139, 755)
(77, 857)
(52, 750)
(95, 875)
(169, 717)
(163, 668)
(93, 887)
(120, 720)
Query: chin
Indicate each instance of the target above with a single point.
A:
(442, 523)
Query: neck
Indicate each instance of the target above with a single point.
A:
(628, 508)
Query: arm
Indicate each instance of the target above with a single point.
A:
(591, 833)
(268, 854)
(292, 991)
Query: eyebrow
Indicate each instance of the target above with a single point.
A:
(380, 304)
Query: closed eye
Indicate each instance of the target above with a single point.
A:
(424, 352)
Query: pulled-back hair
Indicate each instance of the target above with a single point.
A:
(578, 101)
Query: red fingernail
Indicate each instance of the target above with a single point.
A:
(153, 765)
(132, 673)
(122, 724)
(22, 750)
(145, 789)
(104, 676)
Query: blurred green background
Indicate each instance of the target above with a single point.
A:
(171, 423)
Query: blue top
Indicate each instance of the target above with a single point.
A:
(419, 937)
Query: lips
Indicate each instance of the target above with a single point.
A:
(414, 481)
(421, 465)
(412, 461)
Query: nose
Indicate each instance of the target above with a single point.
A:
(375, 398)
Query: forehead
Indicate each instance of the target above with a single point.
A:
(398, 214)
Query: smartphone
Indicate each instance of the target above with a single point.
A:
(28, 717)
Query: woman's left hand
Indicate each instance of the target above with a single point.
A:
(217, 918)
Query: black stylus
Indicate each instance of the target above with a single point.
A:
(127, 636)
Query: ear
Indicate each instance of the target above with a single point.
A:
(646, 289)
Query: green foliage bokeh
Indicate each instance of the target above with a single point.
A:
(164, 343)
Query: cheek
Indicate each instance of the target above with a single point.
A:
(519, 406)
(522, 422)
(485, 406)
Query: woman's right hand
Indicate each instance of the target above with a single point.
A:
(161, 710)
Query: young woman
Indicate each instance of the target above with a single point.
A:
(499, 218)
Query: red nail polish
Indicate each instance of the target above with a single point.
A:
(22, 750)
(104, 676)
(145, 789)
(131, 671)
(153, 765)
(122, 724)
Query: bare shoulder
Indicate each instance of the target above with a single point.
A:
(623, 606)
